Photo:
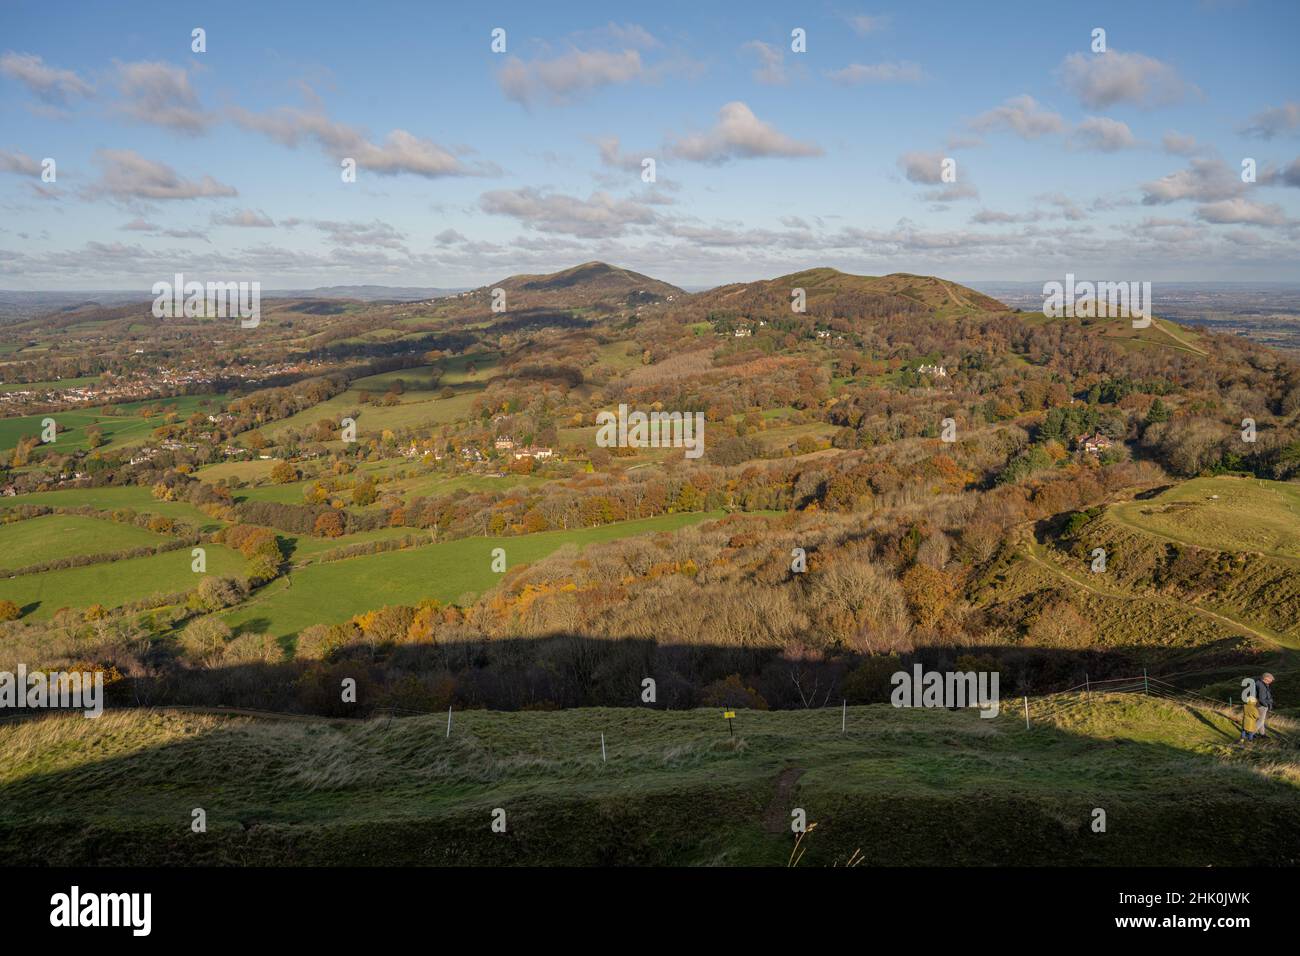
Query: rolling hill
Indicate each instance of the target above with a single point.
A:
(829, 290)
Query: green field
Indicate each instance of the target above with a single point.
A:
(1223, 513)
(256, 470)
(417, 409)
(116, 582)
(332, 593)
(55, 383)
(127, 427)
(900, 787)
(52, 537)
(139, 499)
(420, 405)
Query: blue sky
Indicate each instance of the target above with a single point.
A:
(473, 165)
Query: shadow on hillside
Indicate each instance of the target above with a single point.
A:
(1167, 805)
(567, 670)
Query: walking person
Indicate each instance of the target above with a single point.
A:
(1264, 696)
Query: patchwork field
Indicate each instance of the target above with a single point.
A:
(332, 592)
(127, 427)
(140, 500)
(115, 583)
(420, 403)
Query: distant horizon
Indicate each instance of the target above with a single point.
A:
(686, 287)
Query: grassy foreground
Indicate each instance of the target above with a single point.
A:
(905, 787)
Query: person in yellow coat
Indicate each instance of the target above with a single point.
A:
(1250, 721)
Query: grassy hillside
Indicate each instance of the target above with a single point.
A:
(1225, 514)
(903, 787)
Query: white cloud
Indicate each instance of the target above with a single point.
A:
(129, 176)
(575, 72)
(400, 152)
(1022, 115)
(244, 219)
(20, 163)
(1102, 134)
(1100, 80)
(922, 167)
(599, 215)
(1242, 211)
(1177, 144)
(1278, 121)
(351, 234)
(1205, 180)
(45, 82)
(739, 134)
(160, 94)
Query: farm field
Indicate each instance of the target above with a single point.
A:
(53, 383)
(899, 787)
(305, 547)
(416, 409)
(125, 428)
(114, 583)
(109, 498)
(51, 537)
(255, 470)
(331, 593)
(419, 402)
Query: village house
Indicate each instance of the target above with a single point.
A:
(535, 452)
(1094, 444)
(938, 371)
(504, 444)
(743, 332)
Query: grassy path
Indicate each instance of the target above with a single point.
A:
(1036, 552)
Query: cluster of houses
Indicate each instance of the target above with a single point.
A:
(938, 371)
(537, 452)
(154, 383)
(474, 455)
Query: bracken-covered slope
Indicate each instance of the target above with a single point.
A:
(830, 289)
(592, 283)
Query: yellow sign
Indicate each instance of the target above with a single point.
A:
(729, 714)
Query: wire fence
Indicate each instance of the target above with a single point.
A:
(1061, 703)
(1075, 699)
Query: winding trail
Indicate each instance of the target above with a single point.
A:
(1034, 551)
